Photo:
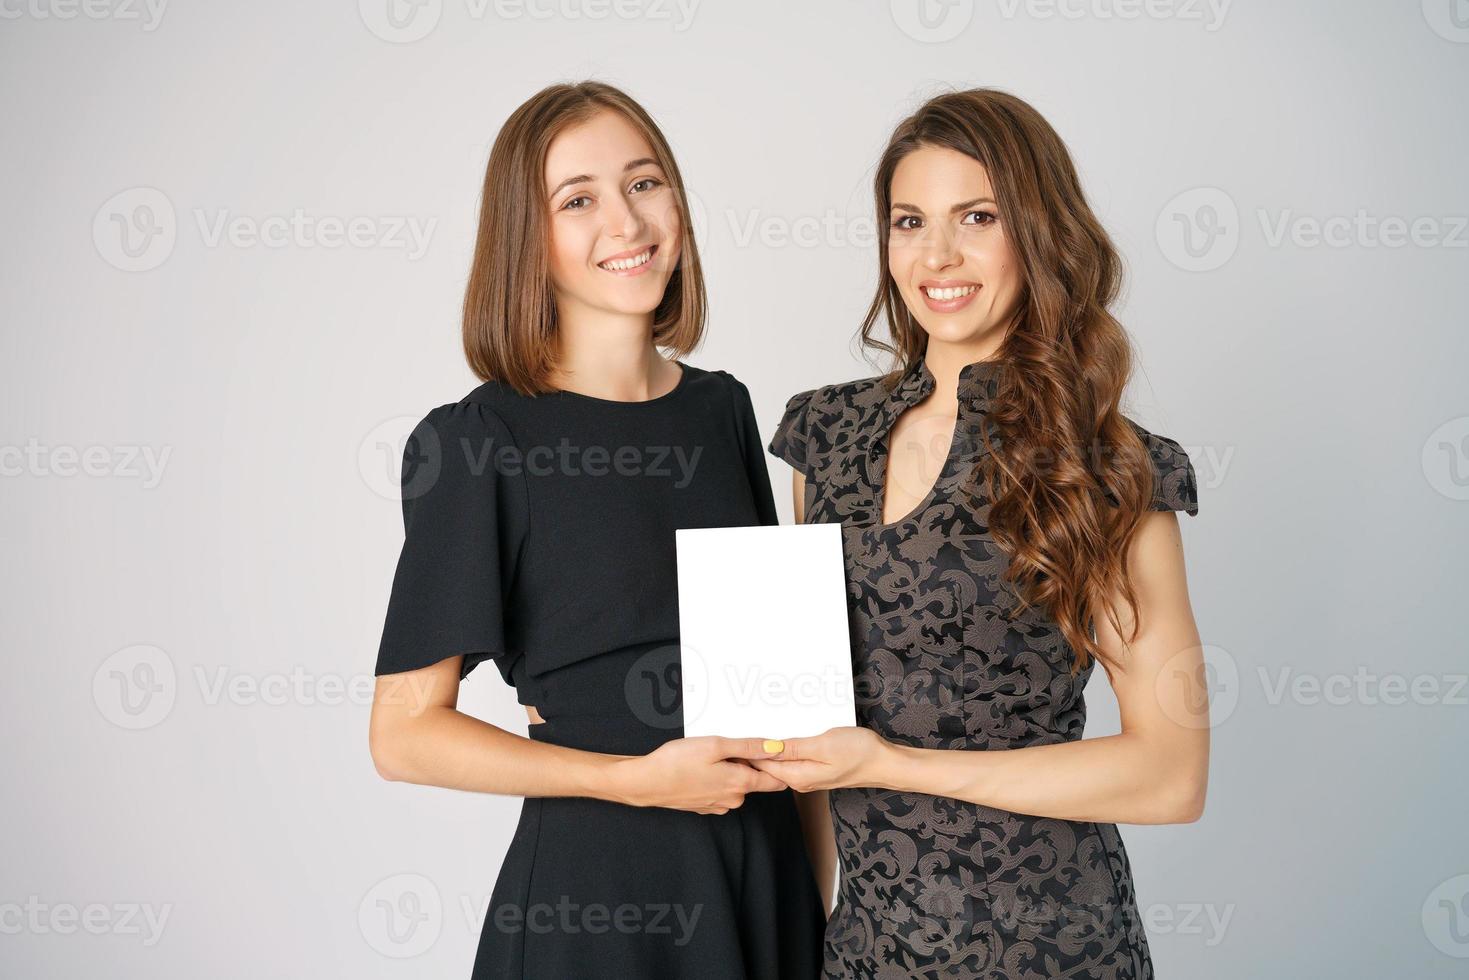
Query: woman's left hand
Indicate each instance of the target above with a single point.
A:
(835, 759)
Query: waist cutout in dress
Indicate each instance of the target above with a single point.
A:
(627, 701)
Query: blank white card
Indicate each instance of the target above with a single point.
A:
(763, 631)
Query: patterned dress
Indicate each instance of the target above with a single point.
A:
(934, 887)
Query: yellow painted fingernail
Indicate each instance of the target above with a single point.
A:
(773, 745)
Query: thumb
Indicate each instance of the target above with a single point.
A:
(748, 748)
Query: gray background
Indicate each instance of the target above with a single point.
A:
(189, 649)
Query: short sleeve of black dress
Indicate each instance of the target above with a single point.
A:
(791, 441)
(463, 523)
(1175, 486)
(754, 458)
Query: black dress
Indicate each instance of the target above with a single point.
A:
(540, 535)
(935, 887)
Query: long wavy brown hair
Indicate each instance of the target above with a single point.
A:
(1070, 478)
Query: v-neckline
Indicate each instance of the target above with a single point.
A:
(971, 379)
(880, 493)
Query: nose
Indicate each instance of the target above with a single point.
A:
(940, 248)
(623, 220)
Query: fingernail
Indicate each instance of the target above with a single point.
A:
(773, 745)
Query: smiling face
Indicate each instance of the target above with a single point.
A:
(947, 249)
(614, 228)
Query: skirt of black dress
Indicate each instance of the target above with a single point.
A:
(591, 888)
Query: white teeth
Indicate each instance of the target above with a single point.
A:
(619, 265)
(953, 292)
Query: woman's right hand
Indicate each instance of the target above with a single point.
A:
(704, 774)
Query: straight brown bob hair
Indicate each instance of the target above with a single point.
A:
(509, 306)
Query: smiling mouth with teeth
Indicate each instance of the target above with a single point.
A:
(952, 292)
(622, 265)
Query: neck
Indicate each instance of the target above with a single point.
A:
(607, 354)
(945, 360)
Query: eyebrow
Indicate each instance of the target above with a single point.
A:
(961, 206)
(588, 178)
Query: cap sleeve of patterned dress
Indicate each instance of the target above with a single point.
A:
(463, 522)
(791, 442)
(1175, 486)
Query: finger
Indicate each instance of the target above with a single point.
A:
(780, 770)
(792, 751)
(764, 782)
(748, 748)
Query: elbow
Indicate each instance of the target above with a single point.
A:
(386, 758)
(1184, 801)
(386, 769)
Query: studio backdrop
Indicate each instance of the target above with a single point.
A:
(235, 248)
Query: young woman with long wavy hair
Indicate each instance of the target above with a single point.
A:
(1005, 528)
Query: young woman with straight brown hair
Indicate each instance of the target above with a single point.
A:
(539, 514)
(1005, 528)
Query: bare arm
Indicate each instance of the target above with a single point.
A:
(1155, 771)
(417, 734)
(814, 807)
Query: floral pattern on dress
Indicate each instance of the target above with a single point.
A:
(933, 887)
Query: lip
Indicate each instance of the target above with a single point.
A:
(947, 305)
(637, 271)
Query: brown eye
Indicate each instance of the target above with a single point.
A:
(901, 224)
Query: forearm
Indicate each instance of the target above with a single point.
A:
(1114, 779)
(816, 828)
(445, 747)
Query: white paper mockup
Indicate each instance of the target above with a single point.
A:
(765, 647)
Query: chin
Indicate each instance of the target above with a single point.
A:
(949, 330)
(643, 303)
